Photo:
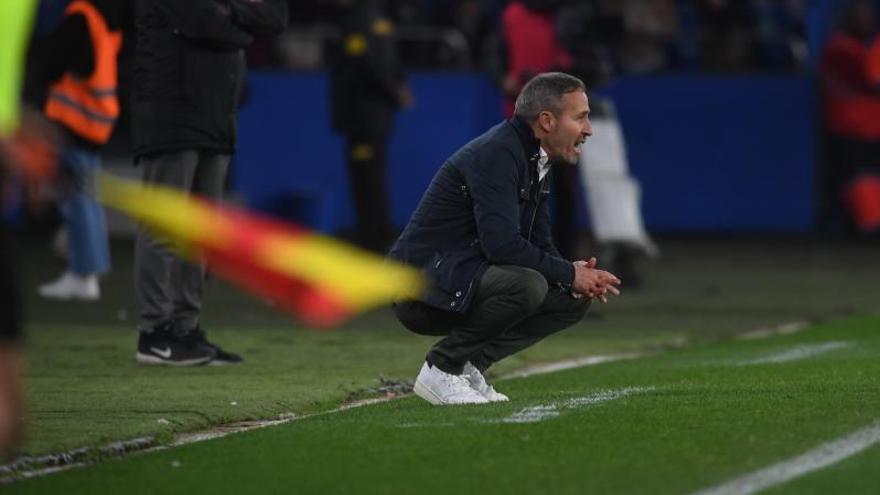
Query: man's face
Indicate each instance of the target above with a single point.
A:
(567, 131)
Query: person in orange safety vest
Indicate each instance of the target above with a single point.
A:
(82, 100)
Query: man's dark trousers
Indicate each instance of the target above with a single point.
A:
(513, 309)
(168, 288)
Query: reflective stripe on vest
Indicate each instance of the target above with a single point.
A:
(89, 106)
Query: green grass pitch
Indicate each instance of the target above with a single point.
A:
(676, 422)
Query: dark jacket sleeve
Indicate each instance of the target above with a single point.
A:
(492, 179)
(260, 17)
(206, 22)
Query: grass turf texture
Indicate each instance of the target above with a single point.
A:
(84, 388)
(701, 418)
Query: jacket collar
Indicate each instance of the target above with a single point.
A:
(530, 143)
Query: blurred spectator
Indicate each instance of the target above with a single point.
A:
(780, 33)
(368, 87)
(183, 127)
(651, 26)
(852, 116)
(589, 30)
(528, 29)
(470, 18)
(727, 41)
(82, 100)
(614, 197)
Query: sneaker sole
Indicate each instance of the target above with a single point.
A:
(497, 399)
(150, 359)
(426, 393)
(221, 362)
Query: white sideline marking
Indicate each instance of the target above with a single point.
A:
(798, 352)
(605, 395)
(539, 413)
(812, 460)
(531, 415)
(568, 364)
(783, 329)
(424, 425)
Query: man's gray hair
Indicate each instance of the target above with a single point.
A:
(545, 92)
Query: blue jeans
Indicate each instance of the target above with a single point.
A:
(88, 246)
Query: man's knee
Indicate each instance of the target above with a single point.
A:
(575, 310)
(519, 286)
(419, 318)
(530, 289)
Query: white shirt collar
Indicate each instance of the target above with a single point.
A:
(543, 164)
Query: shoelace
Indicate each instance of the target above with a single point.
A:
(457, 381)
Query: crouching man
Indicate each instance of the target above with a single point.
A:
(481, 232)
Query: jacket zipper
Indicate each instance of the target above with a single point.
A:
(535, 212)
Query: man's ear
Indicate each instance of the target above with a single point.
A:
(547, 121)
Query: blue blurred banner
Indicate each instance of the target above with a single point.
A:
(713, 154)
(722, 153)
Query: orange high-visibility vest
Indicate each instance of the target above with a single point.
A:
(89, 106)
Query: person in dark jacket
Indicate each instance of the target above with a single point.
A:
(367, 89)
(188, 74)
(482, 235)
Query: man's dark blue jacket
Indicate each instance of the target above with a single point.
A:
(485, 206)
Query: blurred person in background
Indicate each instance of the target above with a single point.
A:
(852, 116)
(368, 87)
(781, 44)
(589, 30)
(15, 24)
(481, 233)
(82, 54)
(188, 74)
(529, 31)
(727, 35)
(651, 27)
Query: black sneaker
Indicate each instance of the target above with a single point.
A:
(161, 347)
(221, 357)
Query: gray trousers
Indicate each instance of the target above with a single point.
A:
(513, 309)
(169, 289)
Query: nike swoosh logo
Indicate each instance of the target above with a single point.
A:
(165, 353)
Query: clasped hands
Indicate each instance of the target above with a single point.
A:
(592, 282)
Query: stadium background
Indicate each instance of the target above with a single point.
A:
(730, 163)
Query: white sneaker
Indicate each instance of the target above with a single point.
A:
(72, 286)
(441, 388)
(478, 382)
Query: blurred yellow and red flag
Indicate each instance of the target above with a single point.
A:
(321, 280)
